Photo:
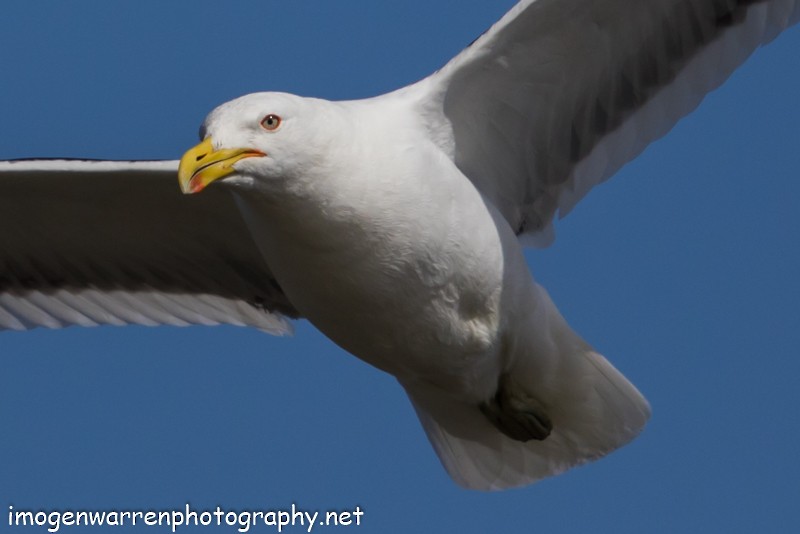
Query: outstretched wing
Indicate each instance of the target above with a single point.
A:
(559, 94)
(106, 242)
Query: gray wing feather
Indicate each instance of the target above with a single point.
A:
(559, 94)
(101, 242)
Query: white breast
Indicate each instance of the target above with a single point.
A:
(394, 256)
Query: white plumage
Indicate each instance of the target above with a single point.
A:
(397, 239)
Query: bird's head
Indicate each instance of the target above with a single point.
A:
(258, 136)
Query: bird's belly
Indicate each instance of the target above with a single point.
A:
(421, 309)
(412, 317)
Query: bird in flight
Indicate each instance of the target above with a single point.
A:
(396, 224)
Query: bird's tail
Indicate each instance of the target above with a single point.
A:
(593, 408)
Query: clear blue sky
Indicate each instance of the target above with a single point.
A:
(682, 270)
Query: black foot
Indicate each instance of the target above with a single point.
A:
(519, 419)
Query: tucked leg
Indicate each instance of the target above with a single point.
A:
(520, 418)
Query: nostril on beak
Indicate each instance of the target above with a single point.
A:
(201, 156)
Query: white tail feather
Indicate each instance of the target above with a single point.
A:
(593, 407)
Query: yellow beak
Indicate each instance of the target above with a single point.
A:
(201, 165)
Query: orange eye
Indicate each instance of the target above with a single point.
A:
(271, 122)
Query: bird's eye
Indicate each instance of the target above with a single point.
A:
(271, 122)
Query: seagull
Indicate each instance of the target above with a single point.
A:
(396, 224)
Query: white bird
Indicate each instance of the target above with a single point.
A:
(394, 224)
